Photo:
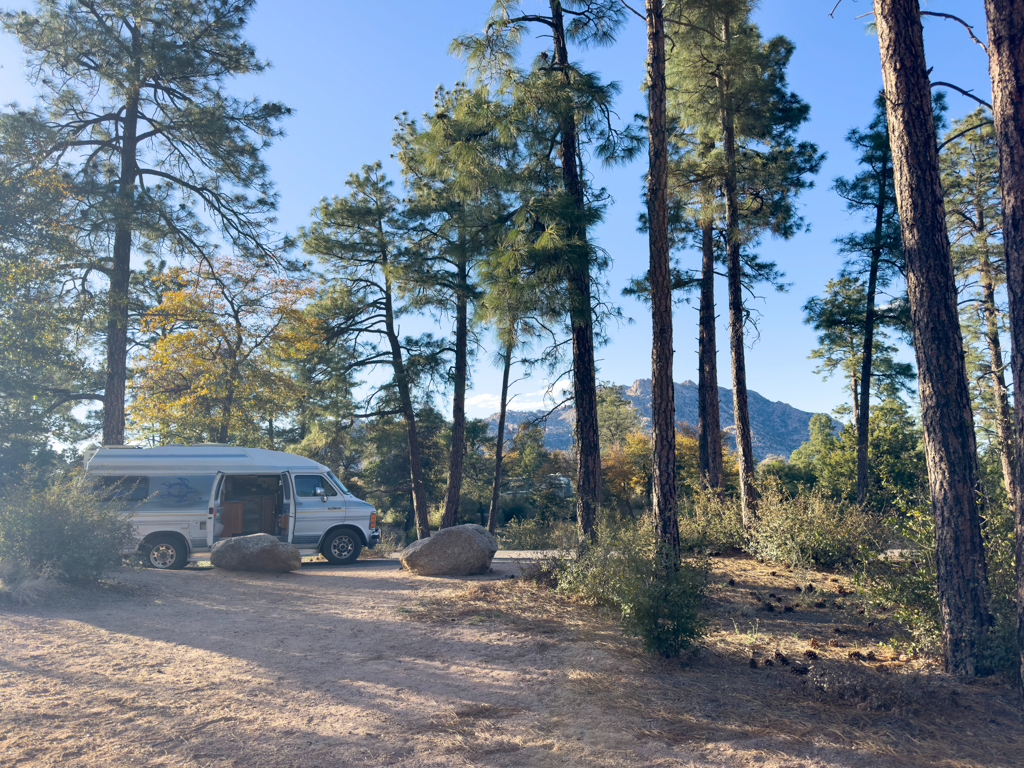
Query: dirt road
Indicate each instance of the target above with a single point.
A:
(349, 667)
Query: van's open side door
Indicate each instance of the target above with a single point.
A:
(289, 505)
(214, 512)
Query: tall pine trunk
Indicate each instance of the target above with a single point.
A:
(863, 407)
(499, 446)
(1006, 66)
(581, 312)
(741, 413)
(458, 448)
(419, 496)
(709, 426)
(120, 281)
(663, 408)
(942, 374)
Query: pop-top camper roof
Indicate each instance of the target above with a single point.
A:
(195, 460)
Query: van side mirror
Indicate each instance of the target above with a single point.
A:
(321, 493)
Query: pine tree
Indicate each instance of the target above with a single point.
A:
(841, 318)
(1005, 21)
(460, 170)
(878, 254)
(45, 328)
(731, 87)
(363, 241)
(970, 176)
(557, 104)
(663, 411)
(133, 106)
(942, 377)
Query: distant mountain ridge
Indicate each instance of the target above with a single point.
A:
(777, 428)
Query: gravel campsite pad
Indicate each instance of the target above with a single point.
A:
(370, 666)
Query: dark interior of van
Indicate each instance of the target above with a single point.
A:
(253, 504)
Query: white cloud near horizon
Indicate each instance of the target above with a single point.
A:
(485, 403)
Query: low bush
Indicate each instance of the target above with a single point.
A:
(538, 534)
(624, 570)
(898, 570)
(711, 524)
(809, 528)
(61, 528)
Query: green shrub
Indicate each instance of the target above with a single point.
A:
(62, 528)
(810, 527)
(898, 570)
(711, 524)
(538, 534)
(625, 571)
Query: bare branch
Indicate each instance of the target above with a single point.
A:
(958, 89)
(970, 29)
(975, 127)
(634, 10)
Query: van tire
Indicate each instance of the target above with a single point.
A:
(165, 553)
(341, 547)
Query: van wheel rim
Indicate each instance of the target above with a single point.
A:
(341, 547)
(162, 556)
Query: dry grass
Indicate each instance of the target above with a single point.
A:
(24, 586)
(824, 675)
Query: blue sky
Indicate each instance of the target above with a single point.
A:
(348, 68)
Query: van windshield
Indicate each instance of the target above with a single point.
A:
(338, 483)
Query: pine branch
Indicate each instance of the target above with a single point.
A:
(958, 89)
(970, 29)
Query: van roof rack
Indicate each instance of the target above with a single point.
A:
(124, 447)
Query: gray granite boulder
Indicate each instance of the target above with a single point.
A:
(463, 550)
(260, 552)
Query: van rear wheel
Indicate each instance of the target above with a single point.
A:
(166, 553)
(341, 547)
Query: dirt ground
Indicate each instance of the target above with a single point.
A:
(370, 666)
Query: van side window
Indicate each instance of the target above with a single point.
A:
(306, 485)
(122, 488)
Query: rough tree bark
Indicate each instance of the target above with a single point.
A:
(663, 407)
(499, 446)
(453, 491)
(862, 408)
(581, 312)
(709, 426)
(120, 279)
(946, 416)
(419, 497)
(748, 491)
(1006, 66)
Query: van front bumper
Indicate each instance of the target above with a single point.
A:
(374, 539)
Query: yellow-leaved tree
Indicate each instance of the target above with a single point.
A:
(216, 369)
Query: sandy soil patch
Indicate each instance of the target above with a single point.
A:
(370, 666)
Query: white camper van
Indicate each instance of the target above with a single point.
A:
(183, 499)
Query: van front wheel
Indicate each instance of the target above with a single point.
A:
(341, 547)
(166, 553)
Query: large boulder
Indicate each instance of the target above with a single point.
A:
(259, 552)
(459, 551)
